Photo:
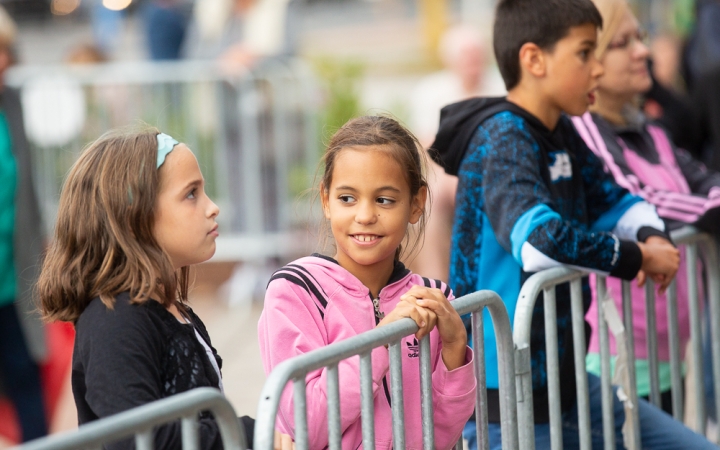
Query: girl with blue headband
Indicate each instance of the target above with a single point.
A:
(133, 217)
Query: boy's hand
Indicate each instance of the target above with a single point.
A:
(660, 261)
(424, 318)
(449, 324)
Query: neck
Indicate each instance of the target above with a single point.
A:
(373, 276)
(527, 98)
(470, 85)
(611, 107)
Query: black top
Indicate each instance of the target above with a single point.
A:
(135, 354)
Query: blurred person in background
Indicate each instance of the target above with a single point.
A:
(463, 53)
(165, 26)
(21, 244)
(642, 158)
(240, 32)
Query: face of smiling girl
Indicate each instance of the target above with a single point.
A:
(369, 205)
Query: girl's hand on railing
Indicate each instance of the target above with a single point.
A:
(283, 442)
(660, 262)
(449, 324)
(424, 318)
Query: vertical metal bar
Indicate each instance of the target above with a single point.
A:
(396, 390)
(675, 361)
(523, 383)
(713, 277)
(581, 381)
(428, 426)
(459, 445)
(605, 376)
(367, 408)
(481, 423)
(333, 399)
(553, 368)
(301, 427)
(696, 336)
(630, 338)
(144, 440)
(652, 345)
(248, 107)
(190, 437)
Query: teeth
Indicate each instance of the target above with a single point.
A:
(365, 237)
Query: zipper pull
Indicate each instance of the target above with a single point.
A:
(376, 304)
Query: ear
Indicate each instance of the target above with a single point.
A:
(533, 60)
(325, 201)
(418, 205)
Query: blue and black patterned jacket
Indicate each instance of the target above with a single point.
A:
(528, 199)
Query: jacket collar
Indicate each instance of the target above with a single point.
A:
(397, 280)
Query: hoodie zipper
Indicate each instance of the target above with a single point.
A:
(379, 315)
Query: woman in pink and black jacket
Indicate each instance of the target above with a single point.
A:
(644, 160)
(373, 188)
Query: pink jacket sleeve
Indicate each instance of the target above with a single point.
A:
(291, 324)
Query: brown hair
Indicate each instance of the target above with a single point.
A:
(401, 144)
(103, 242)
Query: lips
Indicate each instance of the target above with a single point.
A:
(214, 231)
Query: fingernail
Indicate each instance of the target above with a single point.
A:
(422, 324)
(421, 302)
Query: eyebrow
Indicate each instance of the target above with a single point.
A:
(197, 182)
(589, 42)
(383, 188)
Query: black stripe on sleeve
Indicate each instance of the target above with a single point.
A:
(321, 298)
(446, 292)
(426, 282)
(298, 282)
(306, 271)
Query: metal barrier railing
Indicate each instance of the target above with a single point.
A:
(297, 368)
(253, 131)
(546, 281)
(141, 420)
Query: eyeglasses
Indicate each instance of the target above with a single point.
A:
(629, 40)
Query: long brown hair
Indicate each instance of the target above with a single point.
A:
(103, 242)
(402, 145)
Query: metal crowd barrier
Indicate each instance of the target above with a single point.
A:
(546, 282)
(141, 420)
(253, 131)
(296, 369)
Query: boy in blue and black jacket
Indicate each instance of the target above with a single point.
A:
(532, 196)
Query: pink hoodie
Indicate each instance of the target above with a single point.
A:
(313, 302)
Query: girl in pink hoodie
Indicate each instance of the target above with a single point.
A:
(372, 190)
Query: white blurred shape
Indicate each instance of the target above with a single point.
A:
(53, 109)
(116, 5)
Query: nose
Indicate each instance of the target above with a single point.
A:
(641, 50)
(213, 210)
(598, 68)
(365, 213)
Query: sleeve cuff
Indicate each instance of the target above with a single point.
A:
(455, 382)
(629, 262)
(645, 232)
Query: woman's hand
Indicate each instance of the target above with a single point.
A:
(449, 324)
(424, 318)
(283, 441)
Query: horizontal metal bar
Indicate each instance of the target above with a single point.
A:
(127, 423)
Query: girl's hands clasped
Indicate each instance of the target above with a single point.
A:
(428, 307)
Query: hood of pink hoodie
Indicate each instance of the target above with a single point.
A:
(397, 285)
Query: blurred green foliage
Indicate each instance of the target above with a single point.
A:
(340, 80)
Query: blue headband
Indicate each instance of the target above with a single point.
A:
(165, 146)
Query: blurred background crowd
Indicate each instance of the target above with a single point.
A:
(253, 87)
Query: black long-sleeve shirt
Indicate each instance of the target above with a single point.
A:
(135, 354)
